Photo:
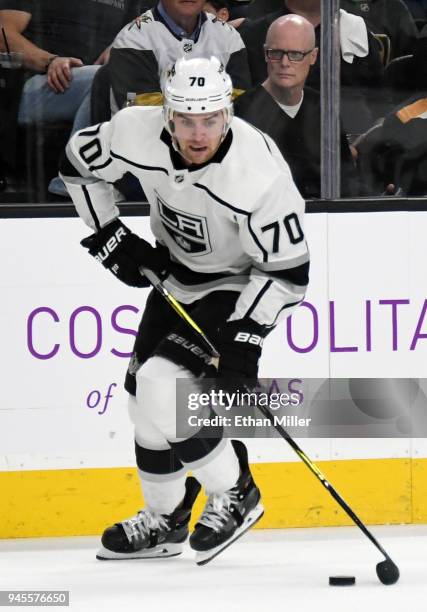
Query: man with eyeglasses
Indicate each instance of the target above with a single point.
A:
(360, 77)
(288, 111)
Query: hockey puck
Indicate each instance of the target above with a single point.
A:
(342, 580)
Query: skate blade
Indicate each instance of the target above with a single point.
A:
(162, 551)
(203, 557)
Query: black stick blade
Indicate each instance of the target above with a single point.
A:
(388, 572)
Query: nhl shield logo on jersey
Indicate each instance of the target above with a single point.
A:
(189, 231)
(188, 46)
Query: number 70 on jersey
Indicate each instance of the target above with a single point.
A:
(293, 229)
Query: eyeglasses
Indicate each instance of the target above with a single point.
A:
(276, 55)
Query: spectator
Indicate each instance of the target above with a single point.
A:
(390, 17)
(219, 8)
(63, 45)
(361, 67)
(238, 8)
(393, 154)
(288, 111)
(142, 53)
(406, 76)
(259, 8)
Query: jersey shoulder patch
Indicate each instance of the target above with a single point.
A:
(139, 33)
(139, 21)
(222, 30)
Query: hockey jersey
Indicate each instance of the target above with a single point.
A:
(234, 223)
(144, 50)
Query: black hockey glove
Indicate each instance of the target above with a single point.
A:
(115, 246)
(239, 346)
(141, 252)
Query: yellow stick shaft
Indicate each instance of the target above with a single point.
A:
(180, 310)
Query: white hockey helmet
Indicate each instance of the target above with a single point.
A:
(197, 86)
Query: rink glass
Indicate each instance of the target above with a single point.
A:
(33, 174)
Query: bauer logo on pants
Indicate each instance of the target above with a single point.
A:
(190, 232)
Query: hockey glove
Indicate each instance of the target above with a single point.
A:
(114, 246)
(240, 346)
(141, 252)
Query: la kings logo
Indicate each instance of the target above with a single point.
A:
(189, 231)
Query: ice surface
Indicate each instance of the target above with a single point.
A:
(274, 570)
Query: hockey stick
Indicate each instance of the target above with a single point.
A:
(158, 286)
(387, 570)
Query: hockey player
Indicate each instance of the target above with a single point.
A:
(228, 221)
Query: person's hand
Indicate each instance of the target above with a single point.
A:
(106, 246)
(59, 72)
(239, 346)
(142, 253)
(123, 253)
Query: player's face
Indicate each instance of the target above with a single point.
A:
(284, 72)
(179, 9)
(198, 136)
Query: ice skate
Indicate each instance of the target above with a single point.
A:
(227, 516)
(148, 535)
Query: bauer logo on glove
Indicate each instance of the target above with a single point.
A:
(251, 338)
(110, 245)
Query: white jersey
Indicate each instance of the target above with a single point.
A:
(143, 51)
(235, 223)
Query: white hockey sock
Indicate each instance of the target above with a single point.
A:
(162, 497)
(221, 473)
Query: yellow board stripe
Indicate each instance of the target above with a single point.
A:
(83, 502)
(419, 490)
